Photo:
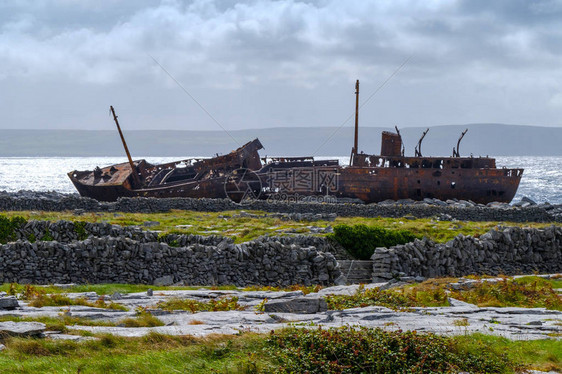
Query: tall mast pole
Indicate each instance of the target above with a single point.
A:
(355, 144)
(133, 168)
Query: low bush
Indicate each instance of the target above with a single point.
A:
(528, 292)
(8, 227)
(194, 306)
(362, 350)
(362, 240)
(397, 299)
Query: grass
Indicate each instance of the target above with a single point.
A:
(526, 292)
(38, 297)
(242, 229)
(154, 353)
(397, 299)
(194, 306)
(143, 319)
(322, 351)
(545, 355)
(111, 288)
(60, 323)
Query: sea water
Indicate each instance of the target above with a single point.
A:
(542, 178)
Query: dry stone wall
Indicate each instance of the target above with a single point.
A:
(512, 250)
(460, 210)
(115, 254)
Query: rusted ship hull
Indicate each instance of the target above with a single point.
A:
(379, 184)
(194, 189)
(369, 184)
(241, 174)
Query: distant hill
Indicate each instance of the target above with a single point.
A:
(481, 140)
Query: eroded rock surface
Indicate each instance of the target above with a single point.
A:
(283, 309)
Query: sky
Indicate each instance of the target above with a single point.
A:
(213, 64)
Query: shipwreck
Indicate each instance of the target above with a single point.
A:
(242, 174)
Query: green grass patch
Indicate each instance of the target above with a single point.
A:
(153, 353)
(143, 319)
(343, 350)
(39, 297)
(242, 229)
(59, 323)
(544, 355)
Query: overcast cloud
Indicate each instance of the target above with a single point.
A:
(257, 64)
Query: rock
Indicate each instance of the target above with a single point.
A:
(302, 305)
(461, 304)
(74, 338)
(2, 347)
(166, 280)
(525, 199)
(21, 328)
(8, 303)
(149, 292)
(150, 223)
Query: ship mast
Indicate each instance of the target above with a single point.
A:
(133, 168)
(356, 140)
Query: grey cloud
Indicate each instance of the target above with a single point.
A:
(476, 57)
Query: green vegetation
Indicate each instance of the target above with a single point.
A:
(544, 355)
(153, 353)
(80, 229)
(110, 288)
(8, 225)
(60, 323)
(143, 319)
(528, 292)
(397, 299)
(361, 240)
(242, 229)
(194, 306)
(344, 350)
(38, 297)
(362, 350)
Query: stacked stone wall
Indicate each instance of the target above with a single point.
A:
(115, 254)
(460, 210)
(509, 251)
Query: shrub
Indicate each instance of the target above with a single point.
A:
(363, 350)
(80, 229)
(397, 299)
(531, 292)
(8, 227)
(362, 240)
(194, 306)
